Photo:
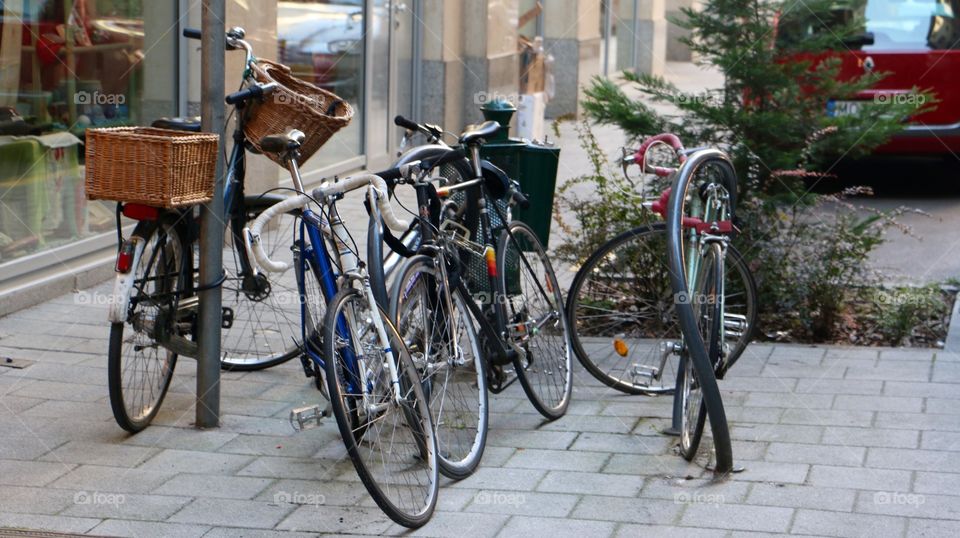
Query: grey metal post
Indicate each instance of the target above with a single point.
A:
(213, 50)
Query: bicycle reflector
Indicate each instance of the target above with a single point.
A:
(125, 257)
(491, 256)
(620, 347)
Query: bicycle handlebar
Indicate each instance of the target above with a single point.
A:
(640, 156)
(376, 190)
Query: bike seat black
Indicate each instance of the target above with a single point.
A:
(280, 143)
(475, 133)
(179, 124)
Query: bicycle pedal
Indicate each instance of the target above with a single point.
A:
(226, 317)
(644, 371)
(305, 418)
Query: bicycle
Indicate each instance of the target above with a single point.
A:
(372, 383)
(510, 291)
(622, 308)
(155, 294)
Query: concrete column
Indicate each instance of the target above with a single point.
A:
(491, 65)
(442, 64)
(642, 35)
(677, 51)
(572, 35)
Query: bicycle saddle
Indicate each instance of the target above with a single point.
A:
(475, 133)
(179, 124)
(281, 143)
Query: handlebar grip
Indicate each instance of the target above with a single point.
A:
(191, 33)
(400, 121)
(390, 176)
(244, 95)
(521, 199)
(449, 157)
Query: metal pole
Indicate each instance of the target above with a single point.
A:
(213, 50)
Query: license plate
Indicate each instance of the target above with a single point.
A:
(843, 108)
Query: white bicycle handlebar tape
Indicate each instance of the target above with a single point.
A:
(378, 190)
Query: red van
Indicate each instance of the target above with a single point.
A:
(917, 43)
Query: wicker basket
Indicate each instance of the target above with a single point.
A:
(295, 104)
(156, 167)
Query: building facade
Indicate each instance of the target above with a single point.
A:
(71, 64)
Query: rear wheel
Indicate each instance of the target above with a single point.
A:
(139, 369)
(536, 322)
(453, 372)
(391, 441)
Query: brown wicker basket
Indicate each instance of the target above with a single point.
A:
(156, 167)
(295, 104)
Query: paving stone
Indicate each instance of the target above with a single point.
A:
(933, 527)
(15, 405)
(629, 444)
(941, 483)
(796, 353)
(106, 505)
(649, 511)
(746, 450)
(879, 403)
(180, 438)
(765, 471)
(147, 529)
(917, 421)
(300, 446)
(803, 453)
(24, 447)
(310, 469)
(827, 417)
(255, 425)
(692, 491)
(508, 479)
(739, 517)
(790, 370)
(762, 415)
(85, 411)
(107, 454)
(231, 512)
(186, 461)
(556, 528)
(914, 389)
(918, 460)
(776, 432)
(522, 503)
(946, 372)
(934, 440)
(851, 352)
(859, 478)
(923, 355)
(592, 424)
(627, 485)
(31, 473)
(447, 524)
(906, 371)
(941, 406)
(837, 435)
(517, 421)
(839, 386)
(803, 496)
(34, 500)
(111, 479)
(645, 465)
(821, 523)
(789, 400)
(759, 384)
(531, 439)
(333, 493)
(205, 485)
(632, 531)
(897, 503)
(329, 520)
(47, 523)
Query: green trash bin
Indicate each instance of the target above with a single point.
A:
(533, 165)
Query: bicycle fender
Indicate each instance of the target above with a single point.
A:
(123, 284)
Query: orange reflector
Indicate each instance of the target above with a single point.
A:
(491, 256)
(620, 346)
(546, 280)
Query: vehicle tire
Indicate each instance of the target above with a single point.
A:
(397, 459)
(530, 292)
(454, 380)
(139, 370)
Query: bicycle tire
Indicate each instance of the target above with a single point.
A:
(457, 391)
(621, 312)
(134, 409)
(265, 307)
(708, 308)
(537, 377)
(411, 420)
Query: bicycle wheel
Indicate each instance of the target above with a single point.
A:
(453, 372)
(391, 441)
(138, 369)
(708, 307)
(622, 314)
(266, 306)
(536, 322)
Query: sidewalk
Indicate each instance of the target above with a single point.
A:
(835, 441)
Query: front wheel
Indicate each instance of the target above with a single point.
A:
(444, 346)
(139, 369)
(536, 322)
(386, 426)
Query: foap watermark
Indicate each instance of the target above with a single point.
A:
(298, 497)
(481, 98)
(915, 99)
(499, 498)
(903, 298)
(698, 497)
(97, 97)
(899, 498)
(98, 498)
(695, 298)
(703, 98)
